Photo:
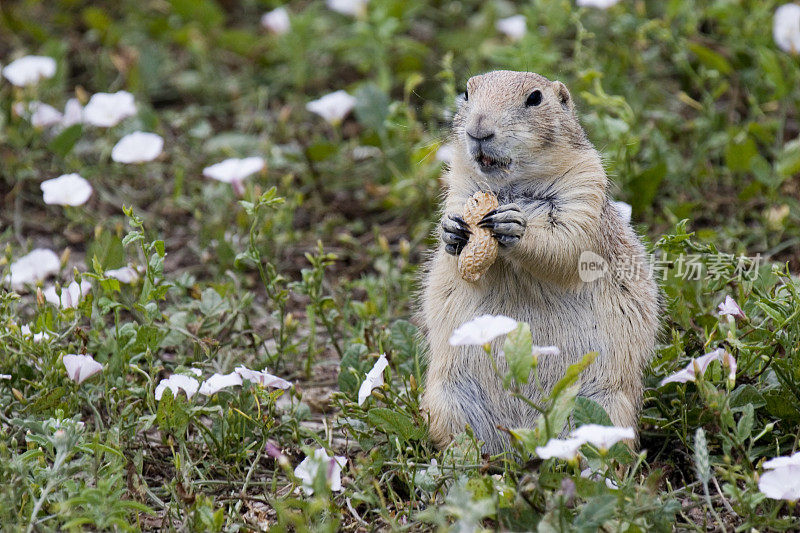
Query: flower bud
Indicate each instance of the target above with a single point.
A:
(65, 257)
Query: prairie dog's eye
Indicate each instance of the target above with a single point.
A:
(466, 95)
(535, 98)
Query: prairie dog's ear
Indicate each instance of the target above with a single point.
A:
(563, 95)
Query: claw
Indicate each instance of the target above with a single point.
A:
(461, 223)
(505, 240)
(450, 237)
(453, 249)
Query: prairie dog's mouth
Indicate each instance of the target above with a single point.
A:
(489, 163)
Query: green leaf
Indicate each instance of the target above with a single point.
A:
(530, 438)
(148, 337)
(321, 151)
(788, 163)
(518, 349)
(739, 153)
(769, 309)
(132, 236)
(159, 247)
(595, 513)
(573, 372)
(711, 59)
(559, 412)
(644, 187)
(108, 249)
(352, 360)
(588, 411)
(779, 405)
(745, 395)
(96, 19)
(395, 423)
(745, 425)
(372, 106)
(50, 399)
(172, 415)
(205, 12)
(405, 339)
(212, 304)
(63, 143)
(232, 142)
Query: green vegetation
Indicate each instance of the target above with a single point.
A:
(312, 271)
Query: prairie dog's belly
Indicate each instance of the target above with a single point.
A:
(567, 318)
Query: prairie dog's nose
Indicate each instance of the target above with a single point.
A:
(478, 131)
(480, 136)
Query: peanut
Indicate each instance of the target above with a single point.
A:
(481, 249)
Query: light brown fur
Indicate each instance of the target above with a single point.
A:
(557, 179)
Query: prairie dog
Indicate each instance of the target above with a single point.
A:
(516, 134)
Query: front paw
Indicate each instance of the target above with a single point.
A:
(507, 224)
(455, 234)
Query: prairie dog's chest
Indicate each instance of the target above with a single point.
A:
(516, 293)
(532, 199)
(569, 319)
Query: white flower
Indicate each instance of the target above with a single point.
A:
(361, 153)
(218, 381)
(445, 153)
(5, 376)
(603, 437)
(137, 147)
(781, 483)
(36, 266)
(67, 189)
(730, 308)
(44, 115)
(601, 4)
(783, 462)
(41, 115)
(176, 383)
(333, 107)
(353, 8)
(373, 380)
(514, 27)
(37, 337)
(588, 473)
(308, 468)
(29, 70)
(276, 21)
(482, 330)
(786, 28)
(126, 274)
(195, 371)
(262, 378)
(561, 448)
(81, 367)
(70, 295)
(108, 109)
(624, 210)
(73, 113)
(698, 367)
(234, 171)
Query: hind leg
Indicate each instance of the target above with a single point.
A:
(622, 408)
(445, 419)
(454, 405)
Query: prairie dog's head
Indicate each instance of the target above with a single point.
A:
(513, 124)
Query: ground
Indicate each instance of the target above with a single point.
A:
(310, 270)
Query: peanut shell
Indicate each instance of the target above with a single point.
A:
(481, 249)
